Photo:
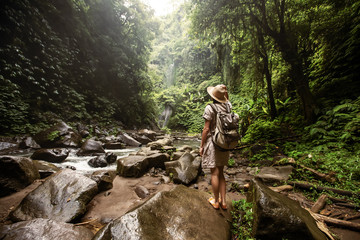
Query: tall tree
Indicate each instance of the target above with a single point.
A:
(278, 19)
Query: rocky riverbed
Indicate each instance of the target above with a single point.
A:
(156, 190)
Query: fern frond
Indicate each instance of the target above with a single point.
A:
(315, 131)
(345, 106)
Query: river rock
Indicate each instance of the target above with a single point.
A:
(181, 213)
(146, 151)
(40, 228)
(128, 140)
(62, 197)
(91, 147)
(114, 145)
(83, 130)
(98, 162)
(185, 170)
(104, 179)
(55, 155)
(29, 142)
(159, 144)
(142, 192)
(185, 148)
(45, 168)
(275, 174)
(141, 138)
(136, 166)
(110, 157)
(278, 217)
(60, 135)
(148, 133)
(15, 174)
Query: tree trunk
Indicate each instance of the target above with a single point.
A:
(273, 112)
(301, 83)
(266, 71)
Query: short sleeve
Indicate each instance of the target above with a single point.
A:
(208, 113)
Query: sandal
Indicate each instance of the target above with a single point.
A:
(213, 203)
(223, 206)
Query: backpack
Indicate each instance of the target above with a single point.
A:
(226, 134)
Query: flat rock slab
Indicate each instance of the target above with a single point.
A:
(62, 197)
(275, 174)
(181, 213)
(40, 228)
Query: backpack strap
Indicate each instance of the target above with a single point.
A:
(214, 108)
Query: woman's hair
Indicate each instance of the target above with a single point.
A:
(214, 101)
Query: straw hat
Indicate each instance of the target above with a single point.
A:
(219, 93)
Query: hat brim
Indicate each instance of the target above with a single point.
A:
(209, 90)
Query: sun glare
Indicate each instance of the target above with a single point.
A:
(162, 7)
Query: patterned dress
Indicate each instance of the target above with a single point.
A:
(212, 156)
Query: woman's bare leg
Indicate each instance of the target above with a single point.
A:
(215, 183)
(222, 186)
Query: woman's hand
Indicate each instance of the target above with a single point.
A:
(204, 135)
(201, 151)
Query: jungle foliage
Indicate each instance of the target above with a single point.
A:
(74, 60)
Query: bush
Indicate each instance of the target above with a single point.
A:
(262, 130)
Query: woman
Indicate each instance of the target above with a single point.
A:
(212, 157)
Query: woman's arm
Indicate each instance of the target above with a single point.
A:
(204, 135)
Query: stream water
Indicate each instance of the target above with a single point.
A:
(81, 162)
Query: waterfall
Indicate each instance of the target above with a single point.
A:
(165, 116)
(169, 81)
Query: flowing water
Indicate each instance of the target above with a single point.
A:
(165, 116)
(81, 162)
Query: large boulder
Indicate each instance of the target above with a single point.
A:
(62, 197)
(278, 217)
(15, 174)
(60, 135)
(275, 174)
(91, 147)
(40, 228)
(185, 170)
(54, 155)
(128, 140)
(136, 166)
(181, 213)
